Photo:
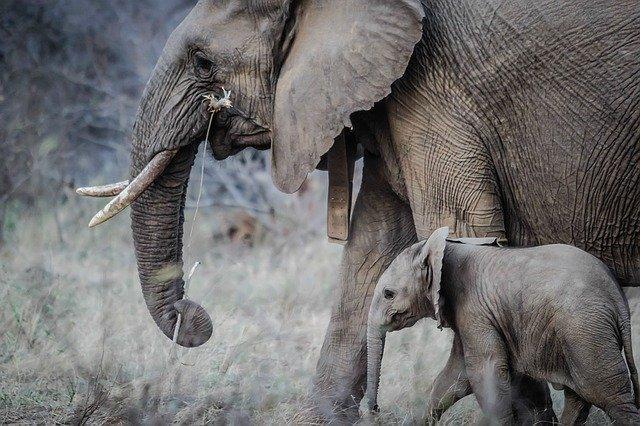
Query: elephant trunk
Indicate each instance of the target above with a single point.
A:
(157, 217)
(375, 349)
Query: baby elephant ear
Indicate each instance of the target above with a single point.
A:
(430, 258)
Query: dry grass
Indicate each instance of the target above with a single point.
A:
(77, 344)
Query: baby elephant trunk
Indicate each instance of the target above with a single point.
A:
(375, 348)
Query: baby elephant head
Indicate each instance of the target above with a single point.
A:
(407, 291)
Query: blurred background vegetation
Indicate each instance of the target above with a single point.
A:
(71, 73)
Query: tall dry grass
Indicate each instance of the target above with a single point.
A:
(78, 346)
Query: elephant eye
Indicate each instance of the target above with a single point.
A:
(389, 294)
(203, 66)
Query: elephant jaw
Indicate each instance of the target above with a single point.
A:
(235, 131)
(223, 145)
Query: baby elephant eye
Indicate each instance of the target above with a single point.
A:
(389, 294)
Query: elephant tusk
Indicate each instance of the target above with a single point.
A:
(137, 186)
(109, 190)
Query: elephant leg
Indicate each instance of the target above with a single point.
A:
(487, 367)
(451, 385)
(624, 414)
(449, 175)
(532, 401)
(576, 409)
(602, 377)
(382, 226)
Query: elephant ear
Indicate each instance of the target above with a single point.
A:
(429, 260)
(344, 56)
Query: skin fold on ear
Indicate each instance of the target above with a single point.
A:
(344, 57)
(430, 255)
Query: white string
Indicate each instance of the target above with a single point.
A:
(176, 330)
(213, 106)
(195, 213)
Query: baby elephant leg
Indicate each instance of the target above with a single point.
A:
(624, 414)
(488, 370)
(602, 378)
(451, 385)
(532, 401)
(576, 409)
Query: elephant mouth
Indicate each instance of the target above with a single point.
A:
(401, 320)
(259, 140)
(235, 132)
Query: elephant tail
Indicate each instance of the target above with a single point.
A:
(625, 332)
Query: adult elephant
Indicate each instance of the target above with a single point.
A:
(515, 119)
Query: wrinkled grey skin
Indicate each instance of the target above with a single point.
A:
(551, 313)
(514, 119)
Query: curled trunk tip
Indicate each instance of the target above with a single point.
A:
(195, 326)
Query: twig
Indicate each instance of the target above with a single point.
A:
(173, 352)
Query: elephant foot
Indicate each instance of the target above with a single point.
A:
(331, 409)
(317, 414)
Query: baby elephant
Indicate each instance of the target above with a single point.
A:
(551, 313)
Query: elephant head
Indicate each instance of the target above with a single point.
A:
(296, 71)
(406, 292)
